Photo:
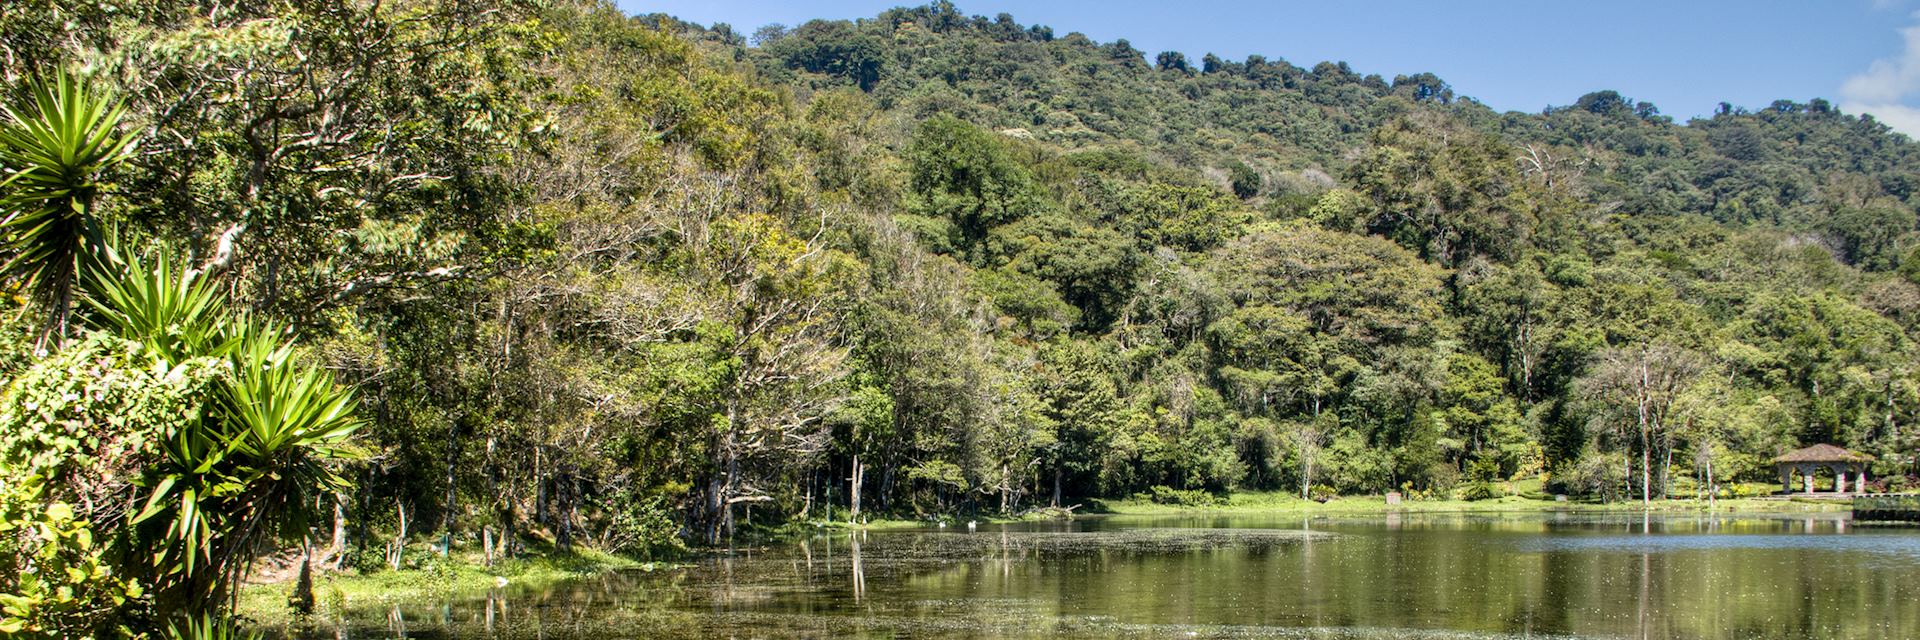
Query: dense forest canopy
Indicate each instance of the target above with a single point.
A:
(628, 282)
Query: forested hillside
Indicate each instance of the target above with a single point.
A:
(1273, 276)
(626, 282)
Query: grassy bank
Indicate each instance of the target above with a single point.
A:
(429, 577)
(1274, 503)
(1524, 499)
(952, 522)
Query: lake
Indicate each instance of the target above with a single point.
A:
(1540, 575)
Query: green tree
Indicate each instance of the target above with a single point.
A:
(1446, 193)
(1079, 398)
(1172, 61)
(1243, 179)
(1636, 390)
(1479, 422)
(965, 175)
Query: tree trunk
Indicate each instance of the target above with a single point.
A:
(1711, 489)
(886, 484)
(719, 514)
(509, 534)
(1526, 355)
(541, 493)
(1056, 485)
(1646, 439)
(302, 598)
(1666, 471)
(715, 501)
(853, 495)
(1004, 488)
(1306, 468)
(397, 548)
(337, 546)
(1646, 475)
(453, 455)
(563, 510)
(573, 508)
(1893, 431)
(806, 502)
(726, 512)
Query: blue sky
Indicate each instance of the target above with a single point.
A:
(1682, 55)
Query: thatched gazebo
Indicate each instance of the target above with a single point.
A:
(1810, 460)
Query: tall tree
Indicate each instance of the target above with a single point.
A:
(1636, 389)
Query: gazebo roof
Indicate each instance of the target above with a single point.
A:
(1823, 453)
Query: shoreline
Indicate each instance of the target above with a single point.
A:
(1370, 505)
(1262, 503)
(438, 578)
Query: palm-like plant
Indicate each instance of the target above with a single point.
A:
(269, 436)
(52, 158)
(266, 446)
(174, 310)
(251, 473)
(287, 424)
(208, 627)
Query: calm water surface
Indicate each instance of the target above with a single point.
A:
(1238, 576)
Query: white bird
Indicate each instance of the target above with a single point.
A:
(970, 525)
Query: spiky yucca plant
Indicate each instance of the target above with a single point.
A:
(53, 155)
(172, 309)
(247, 467)
(269, 443)
(209, 627)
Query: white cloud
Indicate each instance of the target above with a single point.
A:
(1887, 79)
(1886, 83)
(1902, 118)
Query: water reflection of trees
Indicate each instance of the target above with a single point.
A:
(1422, 575)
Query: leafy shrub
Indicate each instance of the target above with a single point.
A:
(1591, 475)
(1322, 493)
(90, 418)
(212, 421)
(1245, 181)
(80, 427)
(1481, 490)
(640, 524)
(54, 579)
(1354, 466)
(1162, 494)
